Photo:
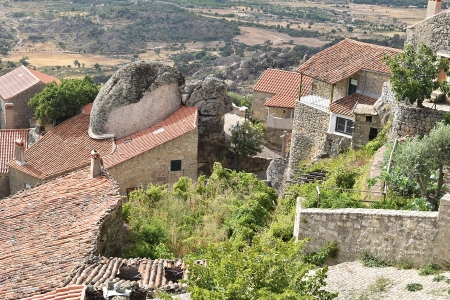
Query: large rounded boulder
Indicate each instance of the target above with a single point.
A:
(137, 96)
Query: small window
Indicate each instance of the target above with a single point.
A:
(344, 126)
(352, 86)
(368, 119)
(373, 133)
(175, 165)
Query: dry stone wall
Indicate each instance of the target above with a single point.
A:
(323, 89)
(408, 236)
(433, 31)
(109, 240)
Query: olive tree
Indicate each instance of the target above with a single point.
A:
(247, 139)
(414, 74)
(57, 102)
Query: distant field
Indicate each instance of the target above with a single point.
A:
(253, 36)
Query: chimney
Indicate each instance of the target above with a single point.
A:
(96, 163)
(9, 115)
(20, 152)
(434, 7)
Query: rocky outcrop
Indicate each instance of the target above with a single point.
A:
(276, 173)
(210, 96)
(137, 96)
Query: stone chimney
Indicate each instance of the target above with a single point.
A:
(20, 152)
(434, 7)
(96, 164)
(9, 116)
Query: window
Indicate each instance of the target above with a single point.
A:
(344, 126)
(175, 165)
(353, 84)
(373, 133)
(368, 119)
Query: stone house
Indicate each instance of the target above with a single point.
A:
(273, 103)
(47, 231)
(344, 76)
(8, 138)
(16, 89)
(159, 154)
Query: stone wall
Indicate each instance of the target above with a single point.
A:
(154, 165)
(18, 180)
(361, 129)
(22, 112)
(259, 111)
(4, 185)
(410, 120)
(371, 82)
(272, 137)
(323, 89)
(109, 240)
(433, 32)
(408, 236)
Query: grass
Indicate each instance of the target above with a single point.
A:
(380, 285)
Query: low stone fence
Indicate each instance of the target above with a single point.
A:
(404, 236)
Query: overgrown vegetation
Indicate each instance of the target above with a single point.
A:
(414, 287)
(269, 269)
(371, 261)
(429, 269)
(186, 218)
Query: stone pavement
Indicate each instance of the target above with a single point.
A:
(354, 281)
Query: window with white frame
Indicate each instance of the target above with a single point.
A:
(344, 126)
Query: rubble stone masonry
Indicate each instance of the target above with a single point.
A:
(4, 185)
(22, 112)
(403, 236)
(433, 31)
(19, 180)
(154, 165)
(109, 240)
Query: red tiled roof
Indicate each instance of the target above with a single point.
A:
(20, 79)
(7, 138)
(344, 106)
(281, 82)
(48, 230)
(289, 101)
(101, 269)
(73, 292)
(65, 148)
(345, 59)
(180, 122)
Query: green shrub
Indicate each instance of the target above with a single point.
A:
(328, 250)
(430, 269)
(374, 262)
(345, 179)
(446, 118)
(414, 287)
(240, 100)
(438, 278)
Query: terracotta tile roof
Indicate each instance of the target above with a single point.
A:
(20, 79)
(344, 106)
(149, 274)
(7, 138)
(281, 82)
(180, 122)
(46, 231)
(345, 59)
(65, 148)
(72, 292)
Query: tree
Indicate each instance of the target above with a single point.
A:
(349, 28)
(76, 63)
(24, 60)
(97, 67)
(157, 51)
(60, 102)
(269, 269)
(10, 64)
(414, 74)
(247, 139)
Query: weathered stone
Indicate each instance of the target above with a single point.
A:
(213, 88)
(210, 128)
(231, 85)
(123, 104)
(244, 64)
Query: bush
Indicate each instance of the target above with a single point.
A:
(374, 262)
(328, 250)
(240, 100)
(414, 287)
(430, 269)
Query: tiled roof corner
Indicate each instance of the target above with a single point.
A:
(288, 101)
(344, 106)
(345, 59)
(180, 122)
(280, 82)
(7, 139)
(48, 230)
(63, 149)
(20, 79)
